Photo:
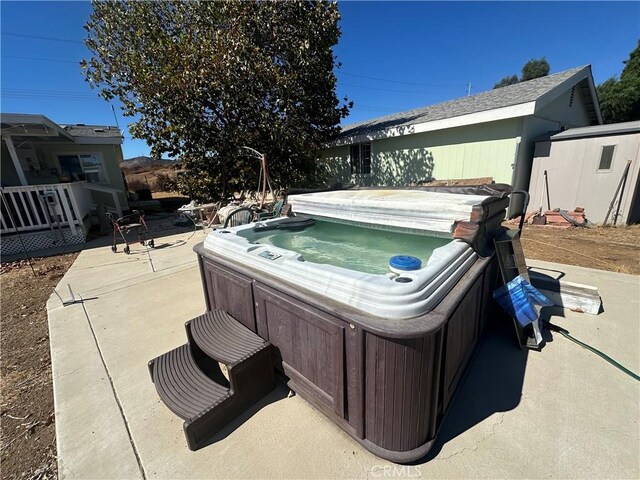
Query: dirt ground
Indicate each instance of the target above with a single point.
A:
(27, 423)
(27, 436)
(616, 249)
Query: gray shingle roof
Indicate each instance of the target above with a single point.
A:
(523, 92)
(82, 130)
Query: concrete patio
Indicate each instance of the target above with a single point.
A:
(559, 413)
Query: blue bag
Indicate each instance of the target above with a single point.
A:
(519, 298)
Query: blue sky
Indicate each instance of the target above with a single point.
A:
(395, 55)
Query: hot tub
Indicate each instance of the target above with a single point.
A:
(348, 264)
(379, 353)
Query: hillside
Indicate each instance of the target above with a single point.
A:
(143, 163)
(149, 173)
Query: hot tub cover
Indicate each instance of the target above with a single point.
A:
(430, 211)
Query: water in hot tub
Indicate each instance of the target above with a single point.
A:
(353, 247)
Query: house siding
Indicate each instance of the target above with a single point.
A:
(565, 113)
(483, 150)
(8, 173)
(334, 163)
(112, 158)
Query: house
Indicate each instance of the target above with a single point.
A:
(53, 176)
(489, 134)
(585, 167)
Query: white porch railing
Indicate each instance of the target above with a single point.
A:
(37, 207)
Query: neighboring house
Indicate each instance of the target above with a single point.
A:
(53, 176)
(489, 134)
(584, 168)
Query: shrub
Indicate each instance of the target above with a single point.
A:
(136, 184)
(165, 183)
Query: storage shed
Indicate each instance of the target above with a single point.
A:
(585, 167)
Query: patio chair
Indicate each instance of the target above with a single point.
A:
(240, 216)
(277, 210)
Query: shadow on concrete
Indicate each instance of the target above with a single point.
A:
(160, 226)
(279, 393)
(493, 383)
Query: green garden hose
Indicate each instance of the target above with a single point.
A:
(565, 333)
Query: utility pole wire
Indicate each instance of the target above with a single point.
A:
(37, 37)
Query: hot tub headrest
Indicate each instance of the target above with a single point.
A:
(293, 224)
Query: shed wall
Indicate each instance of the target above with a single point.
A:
(574, 178)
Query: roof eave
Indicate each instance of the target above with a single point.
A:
(29, 118)
(505, 113)
(626, 128)
(594, 96)
(555, 92)
(99, 140)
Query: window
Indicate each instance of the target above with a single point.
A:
(360, 156)
(87, 167)
(93, 169)
(606, 157)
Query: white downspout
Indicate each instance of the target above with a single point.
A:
(16, 162)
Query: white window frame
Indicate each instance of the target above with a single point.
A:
(97, 155)
(613, 155)
(359, 146)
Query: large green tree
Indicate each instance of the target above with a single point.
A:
(620, 97)
(534, 68)
(202, 79)
(508, 80)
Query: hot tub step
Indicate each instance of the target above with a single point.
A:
(223, 338)
(185, 378)
(182, 386)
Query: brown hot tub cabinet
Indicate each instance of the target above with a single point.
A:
(387, 383)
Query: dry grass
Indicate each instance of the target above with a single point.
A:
(150, 177)
(616, 249)
(27, 433)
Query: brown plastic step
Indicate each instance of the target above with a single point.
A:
(222, 338)
(183, 386)
(188, 378)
